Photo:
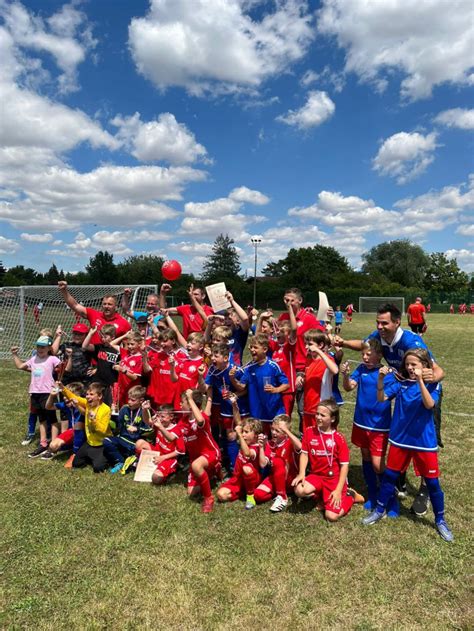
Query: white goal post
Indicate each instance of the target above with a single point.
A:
(370, 304)
(25, 311)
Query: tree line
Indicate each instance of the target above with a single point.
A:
(392, 268)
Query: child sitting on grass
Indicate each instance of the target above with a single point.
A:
(97, 422)
(41, 366)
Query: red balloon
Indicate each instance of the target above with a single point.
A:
(171, 270)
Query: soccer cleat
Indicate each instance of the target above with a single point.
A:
(279, 504)
(69, 461)
(127, 464)
(358, 498)
(373, 518)
(250, 503)
(37, 452)
(207, 504)
(444, 531)
(116, 468)
(29, 438)
(420, 503)
(47, 455)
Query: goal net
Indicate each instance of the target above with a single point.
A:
(370, 304)
(25, 311)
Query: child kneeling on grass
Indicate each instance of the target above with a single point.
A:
(97, 421)
(327, 453)
(74, 436)
(412, 435)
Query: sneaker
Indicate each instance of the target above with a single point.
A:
(116, 468)
(444, 531)
(69, 461)
(250, 503)
(373, 518)
(420, 503)
(358, 498)
(207, 504)
(29, 438)
(37, 452)
(127, 464)
(279, 504)
(401, 485)
(47, 455)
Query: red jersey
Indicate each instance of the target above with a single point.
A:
(192, 321)
(326, 451)
(133, 363)
(164, 446)
(198, 441)
(96, 318)
(161, 389)
(317, 384)
(284, 450)
(416, 311)
(242, 460)
(305, 321)
(285, 356)
(188, 375)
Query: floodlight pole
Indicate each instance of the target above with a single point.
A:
(255, 241)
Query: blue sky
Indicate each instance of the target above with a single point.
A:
(153, 126)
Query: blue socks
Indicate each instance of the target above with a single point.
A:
(232, 452)
(436, 498)
(32, 418)
(78, 440)
(370, 478)
(387, 489)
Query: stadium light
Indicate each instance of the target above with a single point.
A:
(256, 240)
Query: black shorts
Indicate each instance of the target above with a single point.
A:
(417, 328)
(38, 406)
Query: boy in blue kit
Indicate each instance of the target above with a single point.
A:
(220, 388)
(371, 418)
(265, 383)
(338, 319)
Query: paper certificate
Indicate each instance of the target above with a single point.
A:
(146, 466)
(216, 294)
(323, 307)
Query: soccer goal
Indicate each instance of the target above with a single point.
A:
(370, 304)
(25, 311)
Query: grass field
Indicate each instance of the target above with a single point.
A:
(82, 551)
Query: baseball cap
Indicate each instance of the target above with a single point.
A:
(142, 320)
(43, 340)
(80, 328)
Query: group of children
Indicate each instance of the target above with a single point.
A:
(194, 404)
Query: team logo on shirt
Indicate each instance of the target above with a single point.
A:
(192, 369)
(299, 323)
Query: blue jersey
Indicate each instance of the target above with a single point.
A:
(218, 379)
(141, 314)
(369, 413)
(412, 424)
(264, 405)
(237, 344)
(72, 414)
(403, 341)
(338, 317)
(129, 417)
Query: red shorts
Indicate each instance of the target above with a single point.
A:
(289, 402)
(425, 463)
(213, 469)
(167, 467)
(270, 486)
(236, 485)
(67, 436)
(375, 442)
(324, 486)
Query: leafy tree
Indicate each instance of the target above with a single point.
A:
(443, 275)
(139, 269)
(224, 261)
(52, 275)
(20, 275)
(101, 269)
(399, 261)
(3, 271)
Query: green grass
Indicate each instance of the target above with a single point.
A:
(97, 552)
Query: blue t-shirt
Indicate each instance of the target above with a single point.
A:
(263, 405)
(217, 379)
(412, 424)
(72, 414)
(237, 344)
(132, 417)
(403, 341)
(140, 314)
(369, 413)
(338, 317)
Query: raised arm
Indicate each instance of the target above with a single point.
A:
(428, 400)
(164, 291)
(86, 343)
(293, 322)
(127, 292)
(330, 364)
(18, 363)
(354, 345)
(194, 408)
(57, 340)
(70, 300)
(244, 448)
(197, 305)
(243, 315)
(383, 372)
(172, 325)
(347, 383)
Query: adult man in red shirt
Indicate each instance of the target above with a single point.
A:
(108, 315)
(416, 316)
(193, 322)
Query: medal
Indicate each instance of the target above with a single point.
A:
(329, 456)
(330, 473)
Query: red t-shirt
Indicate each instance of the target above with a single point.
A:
(164, 446)
(305, 321)
(161, 389)
(317, 384)
(133, 363)
(96, 318)
(416, 311)
(242, 460)
(325, 451)
(198, 441)
(192, 321)
(285, 356)
(188, 376)
(285, 451)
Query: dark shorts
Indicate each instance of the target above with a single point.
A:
(38, 406)
(417, 328)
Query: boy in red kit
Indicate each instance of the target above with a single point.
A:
(318, 374)
(157, 364)
(280, 453)
(246, 475)
(204, 454)
(327, 453)
(188, 371)
(130, 366)
(194, 315)
(284, 354)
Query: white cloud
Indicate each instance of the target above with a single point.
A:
(466, 230)
(216, 207)
(36, 238)
(106, 238)
(161, 139)
(465, 258)
(317, 109)
(405, 156)
(217, 45)
(457, 117)
(247, 195)
(308, 78)
(429, 42)
(8, 246)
